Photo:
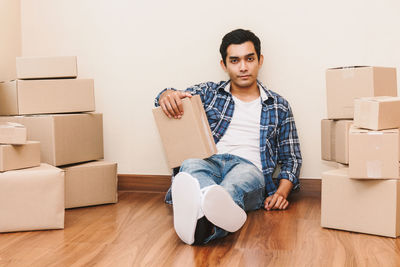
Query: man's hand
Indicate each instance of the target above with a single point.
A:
(171, 103)
(278, 201)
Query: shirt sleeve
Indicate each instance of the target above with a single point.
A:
(289, 155)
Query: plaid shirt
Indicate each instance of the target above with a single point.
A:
(279, 142)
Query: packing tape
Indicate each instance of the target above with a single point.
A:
(374, 168)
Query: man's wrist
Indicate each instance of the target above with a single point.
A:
(285, 186)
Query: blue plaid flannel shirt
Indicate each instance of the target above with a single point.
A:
(279, 142)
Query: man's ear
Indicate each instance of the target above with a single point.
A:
(261, 61)
(223, 65)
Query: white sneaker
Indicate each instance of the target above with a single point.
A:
(186, 198)
(220, 209)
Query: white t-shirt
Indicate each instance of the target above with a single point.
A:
(242, 138)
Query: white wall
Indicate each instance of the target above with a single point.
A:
(10, 37)
(133, 49)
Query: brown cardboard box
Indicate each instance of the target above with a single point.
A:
(65, 138)
(32, 199)
(12, 133)
(373, 154)
(343, 85)
(91, 183)
(46, 67)
(13, 157)
(377, 113)
(335, 140)
(188, 137)
(364, 206)
(22, 97)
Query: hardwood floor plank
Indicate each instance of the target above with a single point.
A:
(138, 231)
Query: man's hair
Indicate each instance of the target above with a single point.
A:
(239, 36)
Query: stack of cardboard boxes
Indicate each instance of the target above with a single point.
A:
(363, 196)
(54, 108)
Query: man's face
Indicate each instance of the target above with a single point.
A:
(242, 64)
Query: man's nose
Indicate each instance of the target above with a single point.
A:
(243, 65)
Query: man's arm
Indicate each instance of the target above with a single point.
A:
(170, 99)
(290, 158)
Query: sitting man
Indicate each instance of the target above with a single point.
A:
(254, 130)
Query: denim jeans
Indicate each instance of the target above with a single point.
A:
(238, 176)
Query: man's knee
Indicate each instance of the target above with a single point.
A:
(249, 174)
(192, 164)
(243, 178)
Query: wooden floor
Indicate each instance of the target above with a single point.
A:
(138, 231)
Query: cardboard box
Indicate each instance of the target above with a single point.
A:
(188, 137)
(65, 138)
(377, 113)
(32, 199)
(335, 140)
(23, 97)
(373, 154)
(343, 85)
(14, 157)
(91, 183)
(364, 206)
(12, 133)
(46, 67)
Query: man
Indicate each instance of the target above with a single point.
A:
(253, 129)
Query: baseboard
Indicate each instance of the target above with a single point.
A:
(138, 182)
(161, 183)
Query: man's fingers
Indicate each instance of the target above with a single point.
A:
(272, 202)
(170, 108)
(278, 202)
(286, 205)
(164, 108)
(179, 105)
(184, 94)
(266, 202)
(282, 204)
(175, 110)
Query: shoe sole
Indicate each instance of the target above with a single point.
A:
(220, 209)
(186, 204)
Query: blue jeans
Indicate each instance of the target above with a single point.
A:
(238, 176)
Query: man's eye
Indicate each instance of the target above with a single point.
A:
(234, 61)
(250, 58)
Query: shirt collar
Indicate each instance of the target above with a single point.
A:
(264, 92)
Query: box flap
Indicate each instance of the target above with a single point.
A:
(355, 130)
(348, 67)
